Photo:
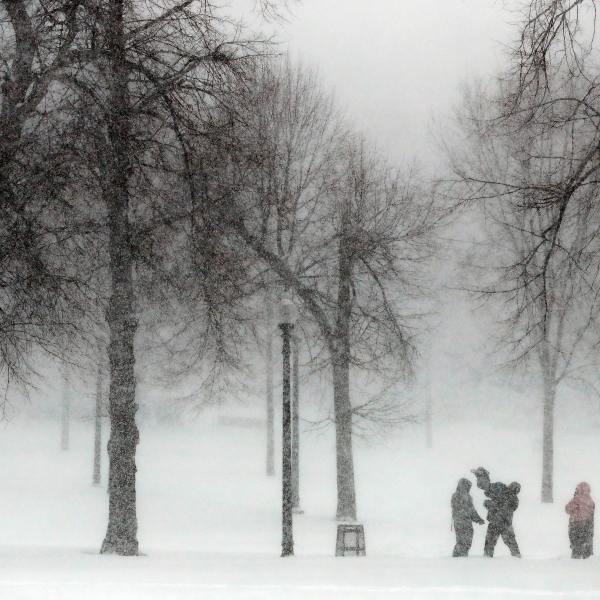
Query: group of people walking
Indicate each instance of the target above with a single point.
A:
(501, 502)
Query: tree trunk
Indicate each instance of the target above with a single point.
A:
(98, 428)
(346, 506)
(295, 430)
(269, 394)
(548, 440)
(346, 497)
(65, 415)
(15, 86)
(287, 538)
(121, 535)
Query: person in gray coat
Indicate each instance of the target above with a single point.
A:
(463, 517)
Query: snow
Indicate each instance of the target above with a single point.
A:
(209, 518)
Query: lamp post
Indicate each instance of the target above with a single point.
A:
(286, 324)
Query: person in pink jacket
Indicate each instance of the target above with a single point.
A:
(581, 522)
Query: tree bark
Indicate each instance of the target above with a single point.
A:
(96, 477)
(269, 394)
(14, 88)
(346, 508)
(548, 369)
(346, 497)
(121, 535)
(287, 538)
(548, 440)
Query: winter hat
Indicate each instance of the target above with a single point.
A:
(464, 485)
(480, 472)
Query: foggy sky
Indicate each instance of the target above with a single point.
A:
(397, 64)
(396, 68)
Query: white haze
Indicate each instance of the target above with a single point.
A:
(209, 518)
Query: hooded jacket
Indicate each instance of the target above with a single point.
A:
(581, 507)
(463, 510)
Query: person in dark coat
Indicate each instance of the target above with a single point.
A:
(463, 517)
(581, 522)
(501, 503)
(512, 503)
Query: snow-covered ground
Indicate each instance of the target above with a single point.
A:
(209, 520)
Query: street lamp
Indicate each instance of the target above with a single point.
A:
(286, 324)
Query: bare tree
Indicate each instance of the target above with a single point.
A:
(45, 294)
(137, 76)
(546, 275)
(553, 82)
(336, 226)
(554, 317)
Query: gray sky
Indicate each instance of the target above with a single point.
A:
(396, 64)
